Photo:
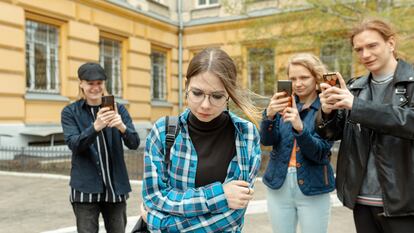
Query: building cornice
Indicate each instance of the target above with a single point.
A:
(126, 10)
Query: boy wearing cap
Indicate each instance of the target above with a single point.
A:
(99, 179)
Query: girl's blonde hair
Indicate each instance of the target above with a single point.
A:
(311, 63)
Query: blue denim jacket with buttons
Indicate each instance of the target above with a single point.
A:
(314, 171)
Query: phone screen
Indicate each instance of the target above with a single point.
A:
(108, 101)
(331, 79)
(284, 85)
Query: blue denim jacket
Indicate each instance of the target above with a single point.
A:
(80, 136)
(314, 172)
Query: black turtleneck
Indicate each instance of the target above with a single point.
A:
(214, 142)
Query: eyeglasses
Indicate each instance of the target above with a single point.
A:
(198, 96)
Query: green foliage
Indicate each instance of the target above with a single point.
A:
(312, 25)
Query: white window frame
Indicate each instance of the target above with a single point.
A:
(116, 62)
(207, 4)
(262, 83)
(30, 47)
(332, 59)
(162, 77)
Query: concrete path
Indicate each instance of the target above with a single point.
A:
(40, 203)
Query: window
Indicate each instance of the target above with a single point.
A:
(201, 3)
(337, 55)
(42, 57)
(110, 59)
(261, 77)
(158, 74)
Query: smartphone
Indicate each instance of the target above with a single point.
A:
(331, 79)
(108, 101)
(284, 85)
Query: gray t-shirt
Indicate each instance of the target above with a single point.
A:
(370, 193)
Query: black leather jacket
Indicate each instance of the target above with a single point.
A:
(388, 130)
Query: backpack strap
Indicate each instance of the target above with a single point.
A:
(171, 131)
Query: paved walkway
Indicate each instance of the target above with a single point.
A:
(40, 204)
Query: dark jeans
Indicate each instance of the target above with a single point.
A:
(369, 219)
(87, 216)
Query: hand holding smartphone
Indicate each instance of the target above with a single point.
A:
(331, 79)
(285, 86)
(108, 101)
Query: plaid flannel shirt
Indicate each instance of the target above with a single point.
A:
(173, 202)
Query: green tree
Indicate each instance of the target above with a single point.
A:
(320, 26)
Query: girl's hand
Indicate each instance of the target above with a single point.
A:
(291, 114)
(278, 103)
(238, 194)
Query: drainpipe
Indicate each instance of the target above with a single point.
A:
(180, 57)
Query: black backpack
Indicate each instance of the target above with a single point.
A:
(171, 131)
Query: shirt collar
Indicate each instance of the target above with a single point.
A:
(82, 103)
(315, 105)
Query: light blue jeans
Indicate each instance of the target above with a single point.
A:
(288, 205)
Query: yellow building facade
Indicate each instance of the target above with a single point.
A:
(81, 25)
(139, 46)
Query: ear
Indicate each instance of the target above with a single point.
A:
(391, 42)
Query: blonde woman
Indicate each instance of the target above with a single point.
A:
(299, 176)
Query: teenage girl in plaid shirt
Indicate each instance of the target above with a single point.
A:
(214, 160)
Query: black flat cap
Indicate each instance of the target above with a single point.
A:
(91, 71)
